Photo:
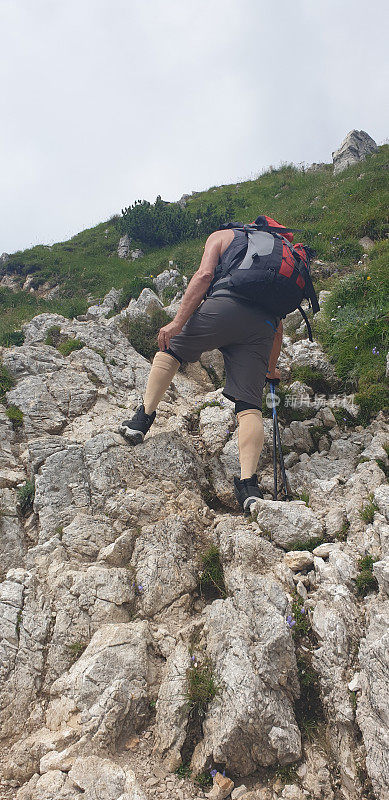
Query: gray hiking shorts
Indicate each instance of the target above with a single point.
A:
(244, 335)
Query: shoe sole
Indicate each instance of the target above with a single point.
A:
(131, 436)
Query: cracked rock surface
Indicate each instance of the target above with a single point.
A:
(103, 615)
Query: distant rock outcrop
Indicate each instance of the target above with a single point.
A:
(124, 246)
(355, 147)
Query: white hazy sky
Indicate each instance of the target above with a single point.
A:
(109, 101)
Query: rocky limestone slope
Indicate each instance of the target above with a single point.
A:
(102, 614)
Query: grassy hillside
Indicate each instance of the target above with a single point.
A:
(334, 213)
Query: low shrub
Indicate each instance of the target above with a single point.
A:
(142, 333)
(25, 496)
(53, 336)
(366, 581)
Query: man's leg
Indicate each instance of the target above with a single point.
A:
(250, 440)
(163, 370)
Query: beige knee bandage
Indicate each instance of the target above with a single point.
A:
(163, 370)
(250, 439)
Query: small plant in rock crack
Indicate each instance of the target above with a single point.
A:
(341, 534)
(202, 687)
(77, 649)
(18, 621)
(298, 620)
(15, 415)
(367, 511)
(6, 381)
(25, 495)
(211, 577)
(303, 496)
(308, 707)
(287, 774)
(67, 347)
(204, 779)
(382, 465)
(53, 336)
(309, 544)
(208, 404)
(183, 771)
(366, 581)
(138, 588)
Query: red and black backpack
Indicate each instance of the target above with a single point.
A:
(263, 266)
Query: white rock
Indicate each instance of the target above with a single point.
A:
(355, 147)
(298, 559)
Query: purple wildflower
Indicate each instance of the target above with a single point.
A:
(140, 587)
(213, 772)
(302, 610)
(290, 621)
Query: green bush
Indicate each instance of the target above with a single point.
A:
(25, 495)
(69, 345)
(15, 415)
(157, 224)
(142, 333)
(366, 581)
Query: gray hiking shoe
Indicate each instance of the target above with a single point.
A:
(247, 492)
(135, 429)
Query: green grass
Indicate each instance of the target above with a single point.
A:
(341, 534)
(304, 496)
(312, 377)
(368, 510)
(69, 345)
(211, 577)
(302, 624)
(354, 332)
(202, 687)
(310, 544)
(77, 649)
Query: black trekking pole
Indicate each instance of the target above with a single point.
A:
(277, 441)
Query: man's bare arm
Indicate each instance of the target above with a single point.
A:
(276, 349)
(196, 290)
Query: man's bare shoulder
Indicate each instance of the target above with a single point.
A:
(222, 238)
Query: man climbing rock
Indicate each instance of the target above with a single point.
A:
(249, 339)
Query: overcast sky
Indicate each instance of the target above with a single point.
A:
(109, 101)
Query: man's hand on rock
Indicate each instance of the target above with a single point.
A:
(167, 332)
